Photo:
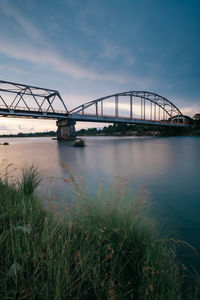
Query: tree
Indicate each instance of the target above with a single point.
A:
(197, 116)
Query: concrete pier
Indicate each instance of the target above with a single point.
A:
(66, 129)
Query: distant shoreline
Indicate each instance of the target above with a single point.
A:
(36, 134)
(141, 130)
(122, 130)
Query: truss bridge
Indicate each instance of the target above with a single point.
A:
(132, 107)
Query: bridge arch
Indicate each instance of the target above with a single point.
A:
(169, 109)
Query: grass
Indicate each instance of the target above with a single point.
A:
(101, 250)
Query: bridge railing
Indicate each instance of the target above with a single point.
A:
(128, 118)
(39, 110)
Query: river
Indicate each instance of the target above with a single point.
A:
(169, 168)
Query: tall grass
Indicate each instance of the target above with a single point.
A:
(29, 181)
(101, 250)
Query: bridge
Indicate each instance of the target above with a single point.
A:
(132, 107)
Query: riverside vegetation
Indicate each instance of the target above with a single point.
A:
(120, 129)
(102, 248)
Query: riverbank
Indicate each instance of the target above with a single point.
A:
(121, 129)
(102, 249)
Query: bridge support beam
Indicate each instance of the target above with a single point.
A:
(66, 129)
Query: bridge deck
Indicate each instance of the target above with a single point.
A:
(42, 114)
(122, 119)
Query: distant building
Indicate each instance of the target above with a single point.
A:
(181, 119)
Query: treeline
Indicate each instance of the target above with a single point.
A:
(32, 134)
(121, 129)
(193, 129)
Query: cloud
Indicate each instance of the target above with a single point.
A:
(36, 49)
(40, 53)
(187, 107)
(114, 52)
(74, 100)
(191, 110)
(11, 68)
(26, 26)
(47, 58)
(124, 108)
(15, 125)
(4, 128)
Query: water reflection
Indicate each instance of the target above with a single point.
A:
(105, 158)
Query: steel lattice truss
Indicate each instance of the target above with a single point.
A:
(25, 100)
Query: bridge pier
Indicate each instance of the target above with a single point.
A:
(66, 129)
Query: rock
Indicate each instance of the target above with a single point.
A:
(79, 143)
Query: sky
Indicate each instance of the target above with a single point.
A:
(93, 48)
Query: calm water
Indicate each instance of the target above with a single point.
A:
(168, 167)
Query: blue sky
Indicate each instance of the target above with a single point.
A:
(88, 49)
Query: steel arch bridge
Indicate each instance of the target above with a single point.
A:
(132, 107)
(150, 108)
